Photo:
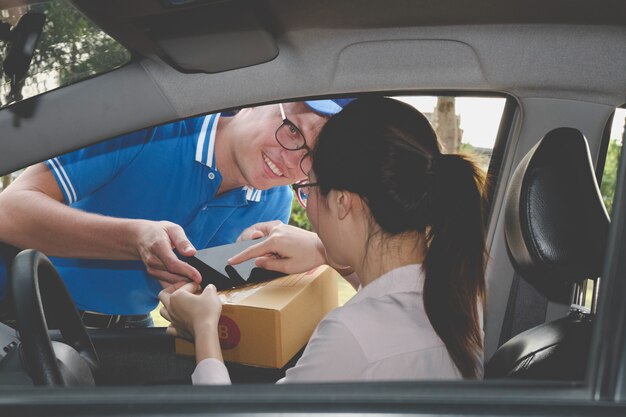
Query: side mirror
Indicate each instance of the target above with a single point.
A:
(22, 41)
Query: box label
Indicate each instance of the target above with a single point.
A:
(229, 333)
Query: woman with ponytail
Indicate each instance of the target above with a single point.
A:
(407, 222)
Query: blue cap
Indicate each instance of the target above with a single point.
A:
(328, 107)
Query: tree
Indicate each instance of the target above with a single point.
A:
(609, 177)
(298, 216)
(70, 49)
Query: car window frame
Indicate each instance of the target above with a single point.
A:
(604, 148)
(609, 377)
(600, 392)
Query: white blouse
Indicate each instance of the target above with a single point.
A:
(381, 334)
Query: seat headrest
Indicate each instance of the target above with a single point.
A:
(556, 224)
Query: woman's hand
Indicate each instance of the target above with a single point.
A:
(287, 248)
(194, 316)
(190, 312)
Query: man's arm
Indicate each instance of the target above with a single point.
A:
(33, 214)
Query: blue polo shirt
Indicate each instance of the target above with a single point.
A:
(163, 173)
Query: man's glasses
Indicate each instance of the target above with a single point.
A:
(291, 138)
(302, 189)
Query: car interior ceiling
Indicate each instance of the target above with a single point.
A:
(479, 57)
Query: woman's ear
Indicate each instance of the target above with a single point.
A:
(344, 203)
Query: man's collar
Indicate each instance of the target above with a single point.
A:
(205, 148)
(252, 194)
(205, 151)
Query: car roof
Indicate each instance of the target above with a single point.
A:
(569, 50)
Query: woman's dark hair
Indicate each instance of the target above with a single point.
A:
(387, 152)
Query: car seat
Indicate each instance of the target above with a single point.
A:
(556, 227)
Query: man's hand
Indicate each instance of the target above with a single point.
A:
(287, 248)
(156, 242)
(258, 230)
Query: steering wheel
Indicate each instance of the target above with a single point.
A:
(49, 362)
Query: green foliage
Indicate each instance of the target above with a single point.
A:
(298, 216)
(467, 148)
(70, 49)
(609, 176)
(74, 46)
(481, 156)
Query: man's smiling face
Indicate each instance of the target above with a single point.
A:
(262, 161)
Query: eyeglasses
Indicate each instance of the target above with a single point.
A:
(291, 138)
(302, 189)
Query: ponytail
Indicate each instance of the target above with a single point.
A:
(454, 289)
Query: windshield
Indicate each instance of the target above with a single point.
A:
(70, 48)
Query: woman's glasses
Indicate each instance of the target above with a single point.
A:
(302, 189)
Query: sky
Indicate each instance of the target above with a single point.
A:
(480, 117)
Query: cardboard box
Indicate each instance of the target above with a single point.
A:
(266, 324)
